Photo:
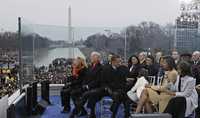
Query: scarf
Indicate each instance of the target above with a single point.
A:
(75, 72)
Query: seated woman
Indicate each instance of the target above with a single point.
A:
(186, 97)
(134, 67)
(135, 92)
(79, 72)
(154, 95)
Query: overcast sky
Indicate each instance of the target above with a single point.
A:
(114, 13)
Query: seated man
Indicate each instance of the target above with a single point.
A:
(118, 91)
(113, 83)
(196, 74)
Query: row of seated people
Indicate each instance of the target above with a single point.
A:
(126, 84)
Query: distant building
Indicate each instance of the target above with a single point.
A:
(187, 36)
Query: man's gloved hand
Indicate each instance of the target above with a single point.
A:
(85, 87)
(68, 84)
(198, 88)
(130, 79)
(108, 90)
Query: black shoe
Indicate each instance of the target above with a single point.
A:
(126, 115)
(113, 116)
(66, 110)
(82, 113)
(72, 115)
(92, 116)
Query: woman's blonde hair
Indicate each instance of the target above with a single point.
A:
(82, 62)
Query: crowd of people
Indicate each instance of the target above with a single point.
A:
(8, 83)
(153, 83)
(8, 72)
(57, 72)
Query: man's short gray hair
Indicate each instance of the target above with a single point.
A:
(96, 53)
(196, 52)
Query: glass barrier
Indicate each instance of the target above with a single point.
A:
(48, 50)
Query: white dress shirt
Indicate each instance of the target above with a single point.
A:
(131, 68)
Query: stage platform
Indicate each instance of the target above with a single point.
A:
(54, 110)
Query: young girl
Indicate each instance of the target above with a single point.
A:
(135, 92)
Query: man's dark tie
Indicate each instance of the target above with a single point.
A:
(179, 84)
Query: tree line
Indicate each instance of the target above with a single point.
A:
(9, 40)
(145, 36)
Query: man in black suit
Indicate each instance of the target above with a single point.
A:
(196, 74)
(112, 83)
(196, 66)
(142, 58)
(94, 71)
(116, 75)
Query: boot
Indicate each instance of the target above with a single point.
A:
(66, 110)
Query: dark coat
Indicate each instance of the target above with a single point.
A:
(114, 78)
(135, 71)
(152, 69)
(196, 72)
(93, 76)
(76, 82)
